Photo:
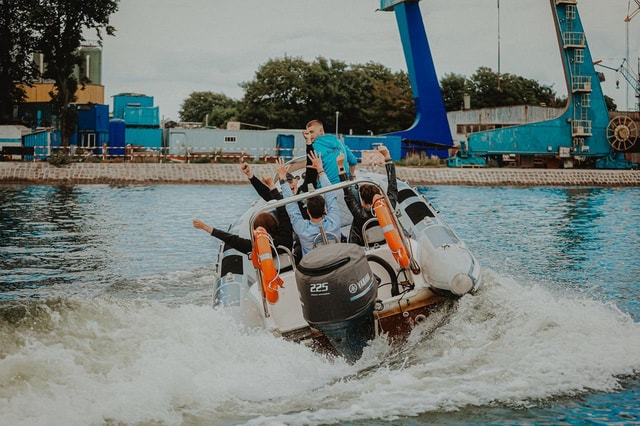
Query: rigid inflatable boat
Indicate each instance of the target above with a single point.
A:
(340, 296)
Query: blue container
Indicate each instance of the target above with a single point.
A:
(144, 137)
(117, 132)
(285, 145)
(93, 117)
(41, 142)
(121, 101)
(142, 116)
(358, 143)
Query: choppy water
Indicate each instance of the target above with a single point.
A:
(105, 317)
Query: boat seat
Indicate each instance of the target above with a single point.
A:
(330, 239)
(286, 260)
(372, 234)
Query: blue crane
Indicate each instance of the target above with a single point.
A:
(582, 132)
(430, 131)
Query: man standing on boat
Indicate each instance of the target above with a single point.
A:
(328, 147)
(324, 214)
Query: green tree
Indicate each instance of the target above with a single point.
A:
(489, 89)
(218, 106)
(17, 41)
(59, 25)
(288, 92)
(454, 87)
(283, 92)
(511, 90)
(378, 100)
(611, 103)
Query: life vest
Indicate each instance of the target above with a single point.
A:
(262, 258)
(391, 233)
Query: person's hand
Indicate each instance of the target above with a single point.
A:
(198, 224)
(246, 170)
(281, 168)
(307, 137)
(268, 180)
(340, 161)
(316, 162)
(385, 152)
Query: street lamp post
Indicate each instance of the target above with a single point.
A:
(337, 115)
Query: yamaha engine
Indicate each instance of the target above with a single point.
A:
(338, 292)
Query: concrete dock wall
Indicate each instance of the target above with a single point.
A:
(171, 173)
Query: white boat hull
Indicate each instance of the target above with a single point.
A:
(446, 270)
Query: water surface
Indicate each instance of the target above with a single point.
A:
(105, 317)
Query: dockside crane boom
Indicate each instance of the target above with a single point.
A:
(630, 16)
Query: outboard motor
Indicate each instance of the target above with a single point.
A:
(338, 292)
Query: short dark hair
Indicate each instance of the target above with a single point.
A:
(367, 192)
(314, 122)
(269, 222)
(315, 205)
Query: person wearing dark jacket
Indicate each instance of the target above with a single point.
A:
(281, 235)
(362, 211)
(310, 177)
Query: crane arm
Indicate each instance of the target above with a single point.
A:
(634, 13)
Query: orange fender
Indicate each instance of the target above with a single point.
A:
(391, 233)
(262, 258)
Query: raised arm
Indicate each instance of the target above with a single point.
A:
(260, 187)
(392, 181)
(356, 209)
(243, 245)
(311, 174)
(297, 221)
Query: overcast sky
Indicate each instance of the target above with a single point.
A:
(168, 49)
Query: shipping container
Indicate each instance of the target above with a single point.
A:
(93, 117)
(90, 93)
(252, 143)
(142, 116)
(122, 100)
(144, 137)
(42, 141)
(359, 143)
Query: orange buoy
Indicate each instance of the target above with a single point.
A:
(262, 258)
(391, 232)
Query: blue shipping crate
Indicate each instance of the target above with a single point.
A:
(93, 117)
(359, 143)
(42, 142)
(139, 116)
(121, 101)
(147, 138)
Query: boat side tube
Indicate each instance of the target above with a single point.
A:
(232, 287)
(448, 265)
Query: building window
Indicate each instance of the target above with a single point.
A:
(88, 140)
(230, 139)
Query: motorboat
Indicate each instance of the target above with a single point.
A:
(340, 296)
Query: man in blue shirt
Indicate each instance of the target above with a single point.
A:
(323, 211)
(329, 147)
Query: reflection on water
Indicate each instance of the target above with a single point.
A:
(583, 239)
(46, 236)
(94, 235)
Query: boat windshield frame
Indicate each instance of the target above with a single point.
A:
(274, 204)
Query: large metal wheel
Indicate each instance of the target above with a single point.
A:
(622, 133)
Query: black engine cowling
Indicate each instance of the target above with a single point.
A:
(338, 291)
